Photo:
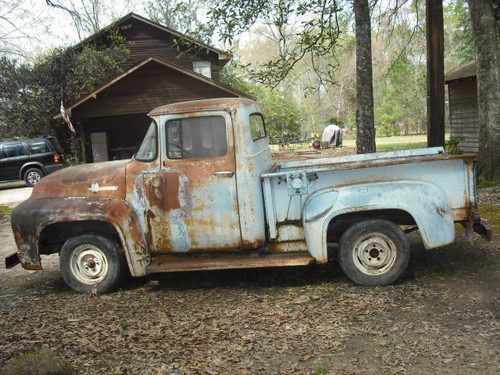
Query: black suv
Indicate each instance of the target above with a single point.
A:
(30, 159)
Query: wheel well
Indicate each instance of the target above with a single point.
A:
(26, 167)
(339, 224)
(54, 235)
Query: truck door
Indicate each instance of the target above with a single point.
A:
(192, 200)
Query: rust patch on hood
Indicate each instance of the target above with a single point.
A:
(98, 180)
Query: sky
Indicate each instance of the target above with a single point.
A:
(28, 27)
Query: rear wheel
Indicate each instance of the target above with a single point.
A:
(92, 262)
(374, 252)
(32, 176)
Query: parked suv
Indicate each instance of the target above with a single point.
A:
(30, 159)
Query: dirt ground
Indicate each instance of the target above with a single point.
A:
(442, 318)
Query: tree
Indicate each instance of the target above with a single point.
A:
(89, 16)
(30, 94)
(365, 122)
(180, 15)
(315, 35)
(282, 117)
(486, 37)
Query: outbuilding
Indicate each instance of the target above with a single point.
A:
(463, 106)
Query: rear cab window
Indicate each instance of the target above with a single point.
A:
(196, 137)
(257, 126)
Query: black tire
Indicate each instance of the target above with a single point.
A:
(32, 176)
(362, 257)
(92, 262)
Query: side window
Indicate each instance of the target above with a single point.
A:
(13, 149)
(38, 147)
(21, 150)
(257, 127)
(149, 147)
(196, 137)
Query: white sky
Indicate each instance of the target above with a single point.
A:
(40, 27)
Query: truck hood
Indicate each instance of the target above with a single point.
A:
(105, 179)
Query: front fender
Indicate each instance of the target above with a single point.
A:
(425, 202)
(33, 215)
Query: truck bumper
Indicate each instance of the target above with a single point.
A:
(11, 260)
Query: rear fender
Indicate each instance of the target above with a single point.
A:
(425, 202)
(32, 216)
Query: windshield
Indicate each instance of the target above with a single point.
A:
(149, 146)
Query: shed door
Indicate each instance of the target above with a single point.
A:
(198, 187)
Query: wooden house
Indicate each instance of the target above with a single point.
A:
(163, 66)
(463, 106)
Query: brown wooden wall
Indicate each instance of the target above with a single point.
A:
(146, 41)
(144, 89)
(464, 122)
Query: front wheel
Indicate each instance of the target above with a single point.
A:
(374, 252)
(90, 262)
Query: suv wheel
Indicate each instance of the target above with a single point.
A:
(32, 176)
(92, 262)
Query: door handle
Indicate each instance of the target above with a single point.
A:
(224, 174)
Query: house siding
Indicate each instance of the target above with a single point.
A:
(464, 122)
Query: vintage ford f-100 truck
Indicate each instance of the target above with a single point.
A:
(202, 193)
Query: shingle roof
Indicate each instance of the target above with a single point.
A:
(463, 71)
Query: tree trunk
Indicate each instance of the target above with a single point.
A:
(435, 72)
(488, 86)
(365, 123)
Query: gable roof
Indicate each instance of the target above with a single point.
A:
(463, 71)
(166, 64)
(224, 56)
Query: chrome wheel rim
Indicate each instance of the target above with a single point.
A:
(89, 264)
(374, 254)
(34, 177)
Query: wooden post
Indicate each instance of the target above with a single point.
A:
(435, 72)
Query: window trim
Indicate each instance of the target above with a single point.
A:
(263, 123)
(153, 158)
(223, 115)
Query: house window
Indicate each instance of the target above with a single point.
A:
(197, 137)
(203, 68)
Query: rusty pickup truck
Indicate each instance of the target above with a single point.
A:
(202, 193)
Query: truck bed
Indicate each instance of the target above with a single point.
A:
(452, 174)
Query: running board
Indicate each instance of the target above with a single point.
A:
(221, 261)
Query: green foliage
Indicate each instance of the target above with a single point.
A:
(180, 15)
(44, 362)
(306, 29)
(30, 94)
(400, 99)
(452, 146)
(281, 116)
(459, 41)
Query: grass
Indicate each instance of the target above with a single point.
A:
(44, 362)
(489, 183)
(321, 368)
(492, 215)
(397, 142)
(5, 210)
